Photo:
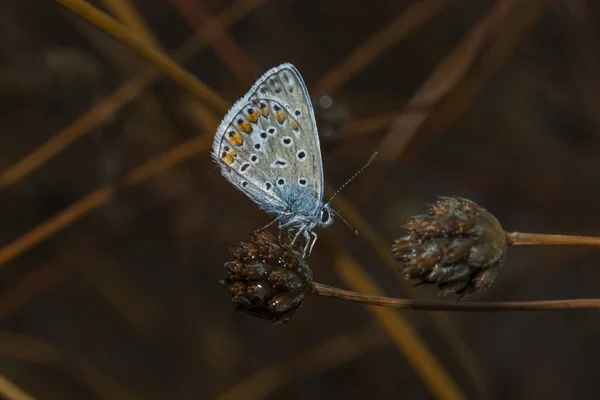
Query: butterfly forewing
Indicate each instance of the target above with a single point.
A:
(268, 146)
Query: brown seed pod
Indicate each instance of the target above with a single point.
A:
(268, 278)
(457, 245)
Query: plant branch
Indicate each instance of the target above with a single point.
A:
(135, 42)
(341, 294)
(542, 239)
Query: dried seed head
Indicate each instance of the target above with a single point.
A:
(268, 278)
(458, 245)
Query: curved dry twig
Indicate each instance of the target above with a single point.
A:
(126, 94)
(539, 305)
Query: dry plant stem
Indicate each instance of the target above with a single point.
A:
(403, 335)
(447, 388)
(329, 355)
(34, 351)
(147, 51)
(10, 391)
(412, 18)
(72, 217)
(233, 56)
(108, 107)
(446, 328)
(95, 199)
(542, 239)
(127, 14)
(39, 281)
(522, 17)
(368, 125)
(140, 312)
(154, 117)
(50, 227)
(445, 76)
(329, 291)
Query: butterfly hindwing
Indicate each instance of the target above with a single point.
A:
(267, 145)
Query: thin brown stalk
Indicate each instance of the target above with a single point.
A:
(165, 64)
(154, 116)
(448, 332)
(132, 302)
(327, 356)
(431, 371)
(368, 51)
(543, 239)
(379, 122)
(445, 76)
(522, 17)
(90, 202)
(376, 300)
(199, 115)
(229, 52)
(10, 391)
(108, 107)
(39, 352)
(126, 12)
(137, 308)
(446, 389)
(238, 61)
(1, 253)
(40, 280)
(99, 197)
(55, 224)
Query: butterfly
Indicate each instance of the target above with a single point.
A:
(267, 146)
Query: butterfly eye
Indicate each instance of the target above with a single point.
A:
(325, 215)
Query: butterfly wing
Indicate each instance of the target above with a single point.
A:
(268, 146)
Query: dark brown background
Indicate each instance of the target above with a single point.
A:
(126, 301)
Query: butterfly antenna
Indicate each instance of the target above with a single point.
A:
(351, 178)
(346, 222)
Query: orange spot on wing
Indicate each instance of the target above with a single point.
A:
(233, 153)
(245, 127)
(264, 112)
(228, 159)
(280, 116)
(252, 117)
(236, 140)
(295, 125)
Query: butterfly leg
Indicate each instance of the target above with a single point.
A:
(300, 230)
(307, 243)
(310, 241)
(314, 240)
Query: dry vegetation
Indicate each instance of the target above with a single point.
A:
(116, 224)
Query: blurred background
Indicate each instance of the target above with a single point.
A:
(116, 224)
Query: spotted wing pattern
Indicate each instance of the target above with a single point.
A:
(268, 147)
